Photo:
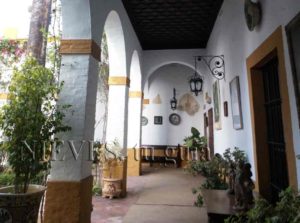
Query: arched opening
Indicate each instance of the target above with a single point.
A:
(112, 66)
(159, 90)
(111, 104)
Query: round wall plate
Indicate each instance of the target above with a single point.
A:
(144, 121)
(174, 119)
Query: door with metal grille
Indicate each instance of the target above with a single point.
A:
(275, 136)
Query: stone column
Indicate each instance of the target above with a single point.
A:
(117, 116)
(69, 189)
(134, 133)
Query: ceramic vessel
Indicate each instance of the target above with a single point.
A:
(111, 187)
(20, 208)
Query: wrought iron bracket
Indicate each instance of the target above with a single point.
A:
(215, 64)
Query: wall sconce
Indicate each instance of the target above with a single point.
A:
(173, 101)
(216, 67)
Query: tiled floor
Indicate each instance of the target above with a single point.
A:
(113, 211)
(160, 195)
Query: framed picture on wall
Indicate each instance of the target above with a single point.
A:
(293, 36)
(217, 105)
(236, 107)
(158, 120)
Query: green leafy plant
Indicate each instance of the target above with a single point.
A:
(30, 120)
(195, 141)
(97, 190)
(6, 179)
(286, 210)
(215, 170)
(234, 157)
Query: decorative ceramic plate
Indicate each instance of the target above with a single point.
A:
(144, 121)
(174, 119)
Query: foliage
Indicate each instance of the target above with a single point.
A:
(97, 190)
(286, 210)
(195, 141)
(3, 158)
(54, 35)
(11, 51)
(234, 157)
(103, 87)
(215, 170)
(6, 179)
(200, 201)
(114, 150)
(30, 120)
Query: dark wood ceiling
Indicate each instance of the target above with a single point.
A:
(173, 24)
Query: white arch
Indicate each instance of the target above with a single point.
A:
(166, 63)
(116, 45)
(135, 72)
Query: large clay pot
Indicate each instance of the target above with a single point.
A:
(20, 208)
(111, 187)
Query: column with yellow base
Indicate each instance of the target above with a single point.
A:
(69, 188)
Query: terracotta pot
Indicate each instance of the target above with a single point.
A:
(20, 208)
(111, 187)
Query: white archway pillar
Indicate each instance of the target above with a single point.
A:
(134, 133)
(118, 110)
(134, 117)
(69, 188)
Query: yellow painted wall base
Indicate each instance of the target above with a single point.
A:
(134, 162)
(69, 201)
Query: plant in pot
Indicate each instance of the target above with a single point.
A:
(113, 167)
(286, 210)
(196, 144)
(216, 171)
(29, 122)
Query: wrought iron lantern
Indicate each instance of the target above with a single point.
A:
(173, 101)
(196, 81)
(216, 67)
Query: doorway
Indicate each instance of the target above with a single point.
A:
(271, 118)
(275, 142)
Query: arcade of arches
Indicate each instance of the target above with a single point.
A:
(141, 79)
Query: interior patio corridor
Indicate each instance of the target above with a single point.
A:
(160, 195)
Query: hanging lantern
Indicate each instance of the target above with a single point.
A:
(196, 81)
(173, 101)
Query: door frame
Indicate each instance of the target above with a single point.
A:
(272, 46)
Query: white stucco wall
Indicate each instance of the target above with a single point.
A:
(231, 37)
(162, 82)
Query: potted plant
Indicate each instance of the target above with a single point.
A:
(216, 172)
(29, 122)
(113, 165)
(196, 144)
(284, 211)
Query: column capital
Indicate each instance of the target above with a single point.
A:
(81, 46)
